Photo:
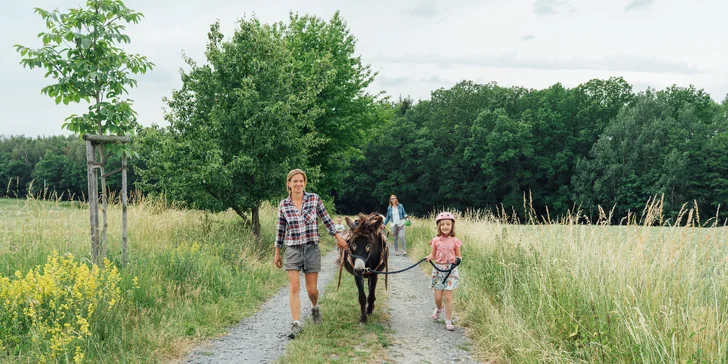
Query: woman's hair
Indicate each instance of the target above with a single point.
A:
(390, 199)
(439, 230)
(292, 173)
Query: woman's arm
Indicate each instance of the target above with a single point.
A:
(389, 215)
(280, 237)
(330, 226)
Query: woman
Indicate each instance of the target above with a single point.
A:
(297, 229)
(396, 214)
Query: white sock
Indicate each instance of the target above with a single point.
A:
(296, 322)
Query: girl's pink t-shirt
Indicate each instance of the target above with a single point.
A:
(445, 248)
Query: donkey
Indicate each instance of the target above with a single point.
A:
(367, 251)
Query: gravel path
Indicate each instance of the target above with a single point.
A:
(417, 338)
(261, 338)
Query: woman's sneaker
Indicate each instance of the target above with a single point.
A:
(296, 329)
(316, 315)
(436, 314)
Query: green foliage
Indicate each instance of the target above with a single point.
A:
(272, 98)
(52, 165)
(658, 146)
(80, 52)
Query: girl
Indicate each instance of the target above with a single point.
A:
(446, 253)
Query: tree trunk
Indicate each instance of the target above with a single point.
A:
(256, 223)
(93, 201)
(124, 202)
(104, 206)
(241, 214)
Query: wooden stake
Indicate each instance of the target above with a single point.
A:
(93, 202)
(124, 202)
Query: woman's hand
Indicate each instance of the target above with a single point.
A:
(277, 260)
(341, 243)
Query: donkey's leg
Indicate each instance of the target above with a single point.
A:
(372, 290)
(362, 298)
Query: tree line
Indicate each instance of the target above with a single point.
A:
(294, 95)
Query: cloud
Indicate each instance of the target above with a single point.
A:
(422, 9)
(548, 7)
(393, 81)
(636, 4)
(434, 79)
(528, 37)
(623, 63)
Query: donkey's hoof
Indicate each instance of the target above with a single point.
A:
(363, 321)
(370, 309)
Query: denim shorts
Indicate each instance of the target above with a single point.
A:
(305, 257)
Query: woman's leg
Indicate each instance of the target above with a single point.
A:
(396, 242)
(448, 305)
(311, 287)
(401, 238)
(294, 301)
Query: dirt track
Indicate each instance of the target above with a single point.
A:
(417, 339)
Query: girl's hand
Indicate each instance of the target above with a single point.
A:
(428, 258)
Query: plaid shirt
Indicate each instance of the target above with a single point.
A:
(300, 227)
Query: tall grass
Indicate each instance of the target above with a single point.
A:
(197, 273)
(559, 291)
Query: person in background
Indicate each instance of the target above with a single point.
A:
(397, 215)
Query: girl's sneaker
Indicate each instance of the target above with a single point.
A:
(449, 326)
(436, 314)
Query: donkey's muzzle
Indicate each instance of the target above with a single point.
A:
(359, 265)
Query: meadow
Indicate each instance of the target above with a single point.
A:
(543, 292)
(571, 292)
(191, 276)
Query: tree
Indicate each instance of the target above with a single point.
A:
(346, 112)
(80, 52)
(238, 123)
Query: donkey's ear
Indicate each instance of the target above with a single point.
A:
(350, 223)
(378, 222)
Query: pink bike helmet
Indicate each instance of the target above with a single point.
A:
(444, 216)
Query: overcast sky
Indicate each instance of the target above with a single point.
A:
(416, 46)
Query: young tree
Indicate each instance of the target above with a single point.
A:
(271, 98)
(80, 52)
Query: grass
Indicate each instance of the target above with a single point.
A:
(585, 293)
(546, 292)
(197, 273)
(340, 338)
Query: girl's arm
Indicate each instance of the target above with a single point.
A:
(457, 254)
(432, 254)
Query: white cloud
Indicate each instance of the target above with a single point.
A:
(626, 63)
(636, 4)
(422, 9)
(415, 45)
(547, 7)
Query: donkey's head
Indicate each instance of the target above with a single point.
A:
(365, 241)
